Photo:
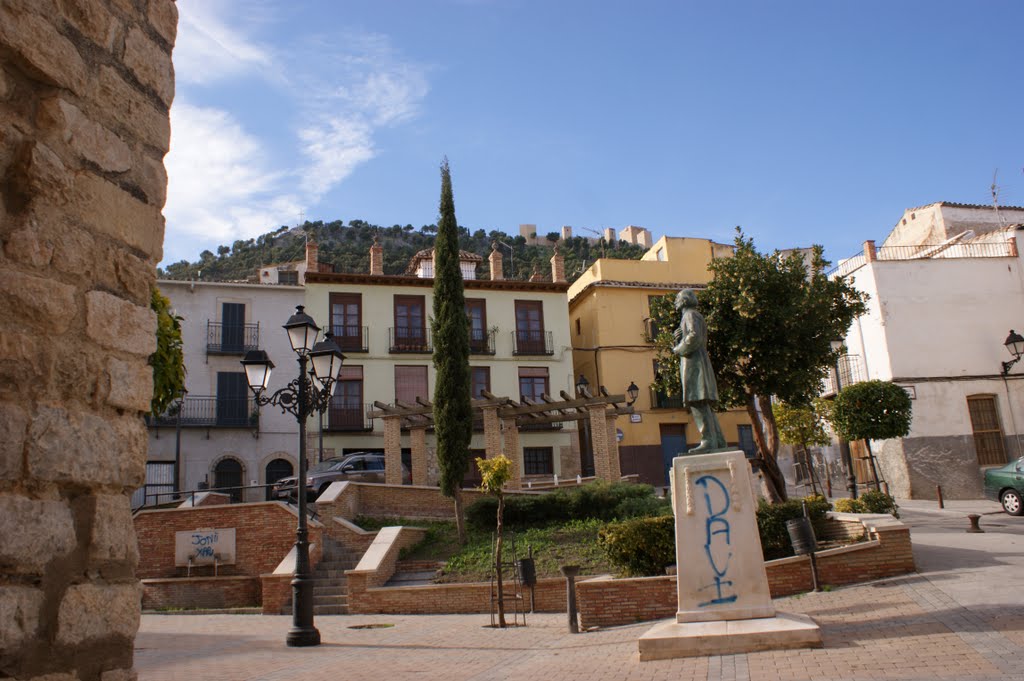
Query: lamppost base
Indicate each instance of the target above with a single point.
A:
(300, 637)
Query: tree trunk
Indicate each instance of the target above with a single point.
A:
(497, 563)
(767, 441)
(460, 521)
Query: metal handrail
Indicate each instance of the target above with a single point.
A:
(210, 411)
(351, 338)
(414, 339)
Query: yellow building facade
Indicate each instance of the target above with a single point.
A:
(609, 317)
(519, 342)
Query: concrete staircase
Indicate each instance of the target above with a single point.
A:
(330, 595)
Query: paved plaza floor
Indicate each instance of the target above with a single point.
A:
(960, 617)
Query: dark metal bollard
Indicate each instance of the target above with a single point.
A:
(570, 572)
(975, 527)
(938, 495)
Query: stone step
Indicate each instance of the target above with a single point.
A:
(412, 578)
(335, 565)
(330, 610)
(329, 574)
(329, 590)
(330, 600)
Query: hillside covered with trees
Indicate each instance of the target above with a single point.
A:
(347, 247)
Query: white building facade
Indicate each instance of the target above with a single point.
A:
(944, 294)
(219, 439)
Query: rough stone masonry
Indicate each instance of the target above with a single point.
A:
(85, 87)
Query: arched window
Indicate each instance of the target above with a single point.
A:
(227, 478)
(277, 469)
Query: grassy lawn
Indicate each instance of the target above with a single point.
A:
(571, 543)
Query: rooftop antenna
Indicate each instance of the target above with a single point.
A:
(600, 238)
(995, 198)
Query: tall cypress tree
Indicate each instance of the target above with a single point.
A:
(453, 412)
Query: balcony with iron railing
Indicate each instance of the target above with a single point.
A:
(405, 339)
(661, 400)
(209, 411)
(351, 338)
(851, 371)
(348, 416)
(231, 339)
(951, 249)
(534, 343)
(481, 341)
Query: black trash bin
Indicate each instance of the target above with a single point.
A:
(527, 571)
(801, 536)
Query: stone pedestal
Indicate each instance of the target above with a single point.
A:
(724, 605)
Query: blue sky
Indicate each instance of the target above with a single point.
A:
(804, 122)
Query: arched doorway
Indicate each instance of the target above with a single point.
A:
(277, 469)
(228, 474)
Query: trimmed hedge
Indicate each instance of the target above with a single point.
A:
(600, 499)
(869, 502)
(646, 546)
(641, 546)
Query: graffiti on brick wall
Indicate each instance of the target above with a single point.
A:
(205, 546)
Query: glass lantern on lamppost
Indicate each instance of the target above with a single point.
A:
(309, 393)
(1014, 344)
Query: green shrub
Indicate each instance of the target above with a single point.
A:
(596, 500)
(879, 502)
(771, 523)
(850, 506)
(641, 546)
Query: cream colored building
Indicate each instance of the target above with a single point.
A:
(520, 346)
(609, 310)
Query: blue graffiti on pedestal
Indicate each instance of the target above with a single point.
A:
(717, 539)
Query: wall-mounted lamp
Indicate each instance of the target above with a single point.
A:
(581, 385)
(632, 391)
(1015, 345)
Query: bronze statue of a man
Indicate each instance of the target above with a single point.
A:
(696, 375)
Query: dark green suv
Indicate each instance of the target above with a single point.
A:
(1006, 485)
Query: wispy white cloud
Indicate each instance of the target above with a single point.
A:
(221, 185)
(222, 179)
(208, 49)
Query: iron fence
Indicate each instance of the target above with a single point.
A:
(534, 343)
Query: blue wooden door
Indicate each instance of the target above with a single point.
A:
(673, 444)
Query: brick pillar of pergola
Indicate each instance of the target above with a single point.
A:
(599, 441)
(510, 445)
(418, 436)
(614, 467)
(492, 432)
(393, 450)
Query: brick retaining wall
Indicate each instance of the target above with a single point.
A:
(264, 534)
(200, 592)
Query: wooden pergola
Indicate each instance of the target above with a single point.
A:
(503, 418)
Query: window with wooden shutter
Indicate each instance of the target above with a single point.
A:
(988, 434)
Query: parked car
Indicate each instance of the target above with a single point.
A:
(1006, 485)
(357, 467)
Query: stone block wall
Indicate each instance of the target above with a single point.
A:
(85, 88)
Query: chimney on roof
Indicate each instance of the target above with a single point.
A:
(312, 255)
(557, 266)
(497, 274)
(376, 258)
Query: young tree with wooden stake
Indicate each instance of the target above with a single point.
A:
(495, 473)
(453, 411)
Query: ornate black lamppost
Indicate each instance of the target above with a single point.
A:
(307, 394)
